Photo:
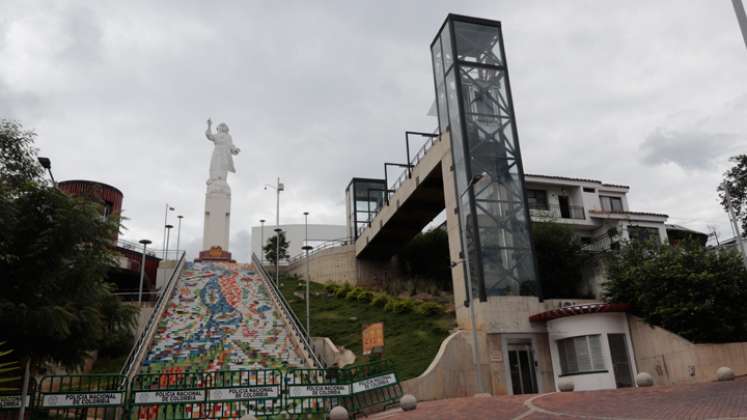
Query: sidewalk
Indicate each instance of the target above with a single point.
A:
(717, 400)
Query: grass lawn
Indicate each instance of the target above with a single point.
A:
(411, 341)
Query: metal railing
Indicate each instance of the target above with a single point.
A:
(555, 211)
(130, 365)
(406, 173)
(296, 326)
(332, 243)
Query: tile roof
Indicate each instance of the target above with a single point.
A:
(565, 178)
(589, 308)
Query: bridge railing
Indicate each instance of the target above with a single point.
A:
(322, 246)
(130, 366)
(296, 327)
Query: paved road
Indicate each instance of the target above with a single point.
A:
(718, 400)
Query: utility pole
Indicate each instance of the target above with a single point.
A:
(741, 18)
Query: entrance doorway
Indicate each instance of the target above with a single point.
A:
(620, 360)
(565, 207)
(522, 365)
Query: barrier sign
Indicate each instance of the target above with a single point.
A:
(374, 383)
(166, 397)
(87, 399)
(331, 390)
(12, 401)
(244, 393)
(373, 338)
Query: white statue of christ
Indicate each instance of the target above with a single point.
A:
(222, 160)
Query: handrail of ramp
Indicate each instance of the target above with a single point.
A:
(296, 325)
(130, 367)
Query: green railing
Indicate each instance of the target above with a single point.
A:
(80, 397)
(10, 402)
(263, 393)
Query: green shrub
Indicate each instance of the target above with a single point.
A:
(429, 308)
(331, 288)
(400, 306)
(353, 293)
(342, 291)
(365, 296)
(390, 304)
(380, 300)
(404, 306)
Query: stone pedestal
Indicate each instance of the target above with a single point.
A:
(217, 222)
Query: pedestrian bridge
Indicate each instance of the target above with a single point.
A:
(416, 198)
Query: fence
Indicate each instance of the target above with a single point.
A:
(138, 350)
(295, 326)
(264, 393)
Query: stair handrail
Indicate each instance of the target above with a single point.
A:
(296, 325)
(133, 359)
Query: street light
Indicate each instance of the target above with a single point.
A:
(165, 223)
(47, 164)
(262, 241)
(277, 255)
(307, 248)
(145, 243)
(465, 257)
(168, 233)
(278, 187)
(178, 233)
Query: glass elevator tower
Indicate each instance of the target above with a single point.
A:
(475, 106)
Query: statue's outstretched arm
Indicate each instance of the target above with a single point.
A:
(208, 132)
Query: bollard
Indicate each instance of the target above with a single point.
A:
(408, 402)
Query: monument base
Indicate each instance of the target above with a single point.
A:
(215, 253)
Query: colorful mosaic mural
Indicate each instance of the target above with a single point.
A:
(220, 317)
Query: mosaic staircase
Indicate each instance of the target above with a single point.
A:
(221, 316)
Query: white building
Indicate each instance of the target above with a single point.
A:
(599, 212)
(296, 234)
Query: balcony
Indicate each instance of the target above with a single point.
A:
(555, 211)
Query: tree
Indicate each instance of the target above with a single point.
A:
(735, 181)
(271, 248)
(560, 258)
(55, 252)
(426, 256)
(687, 289)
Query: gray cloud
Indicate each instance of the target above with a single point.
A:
(691, 150)
(319, 93)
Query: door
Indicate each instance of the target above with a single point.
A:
(521, 363)
(620, 360)
(565, 208)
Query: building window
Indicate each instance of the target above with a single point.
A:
(537, 199)
(589, 190)
(643, 234)
(581, 355)
(611, 203)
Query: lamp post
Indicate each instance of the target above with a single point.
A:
(307, 248)
(278, 187)
(168, 234)
(145, 243)
(178, 233)
(465, 258)
(47, 164)
(277, 255)
(165, 223)
(262, 241)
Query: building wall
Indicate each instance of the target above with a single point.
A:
(671, 359)
(590, 324)
(339, 265)
(296, 234)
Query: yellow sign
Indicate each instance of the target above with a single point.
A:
(373, 338)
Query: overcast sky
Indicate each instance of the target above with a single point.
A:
(647, 94)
